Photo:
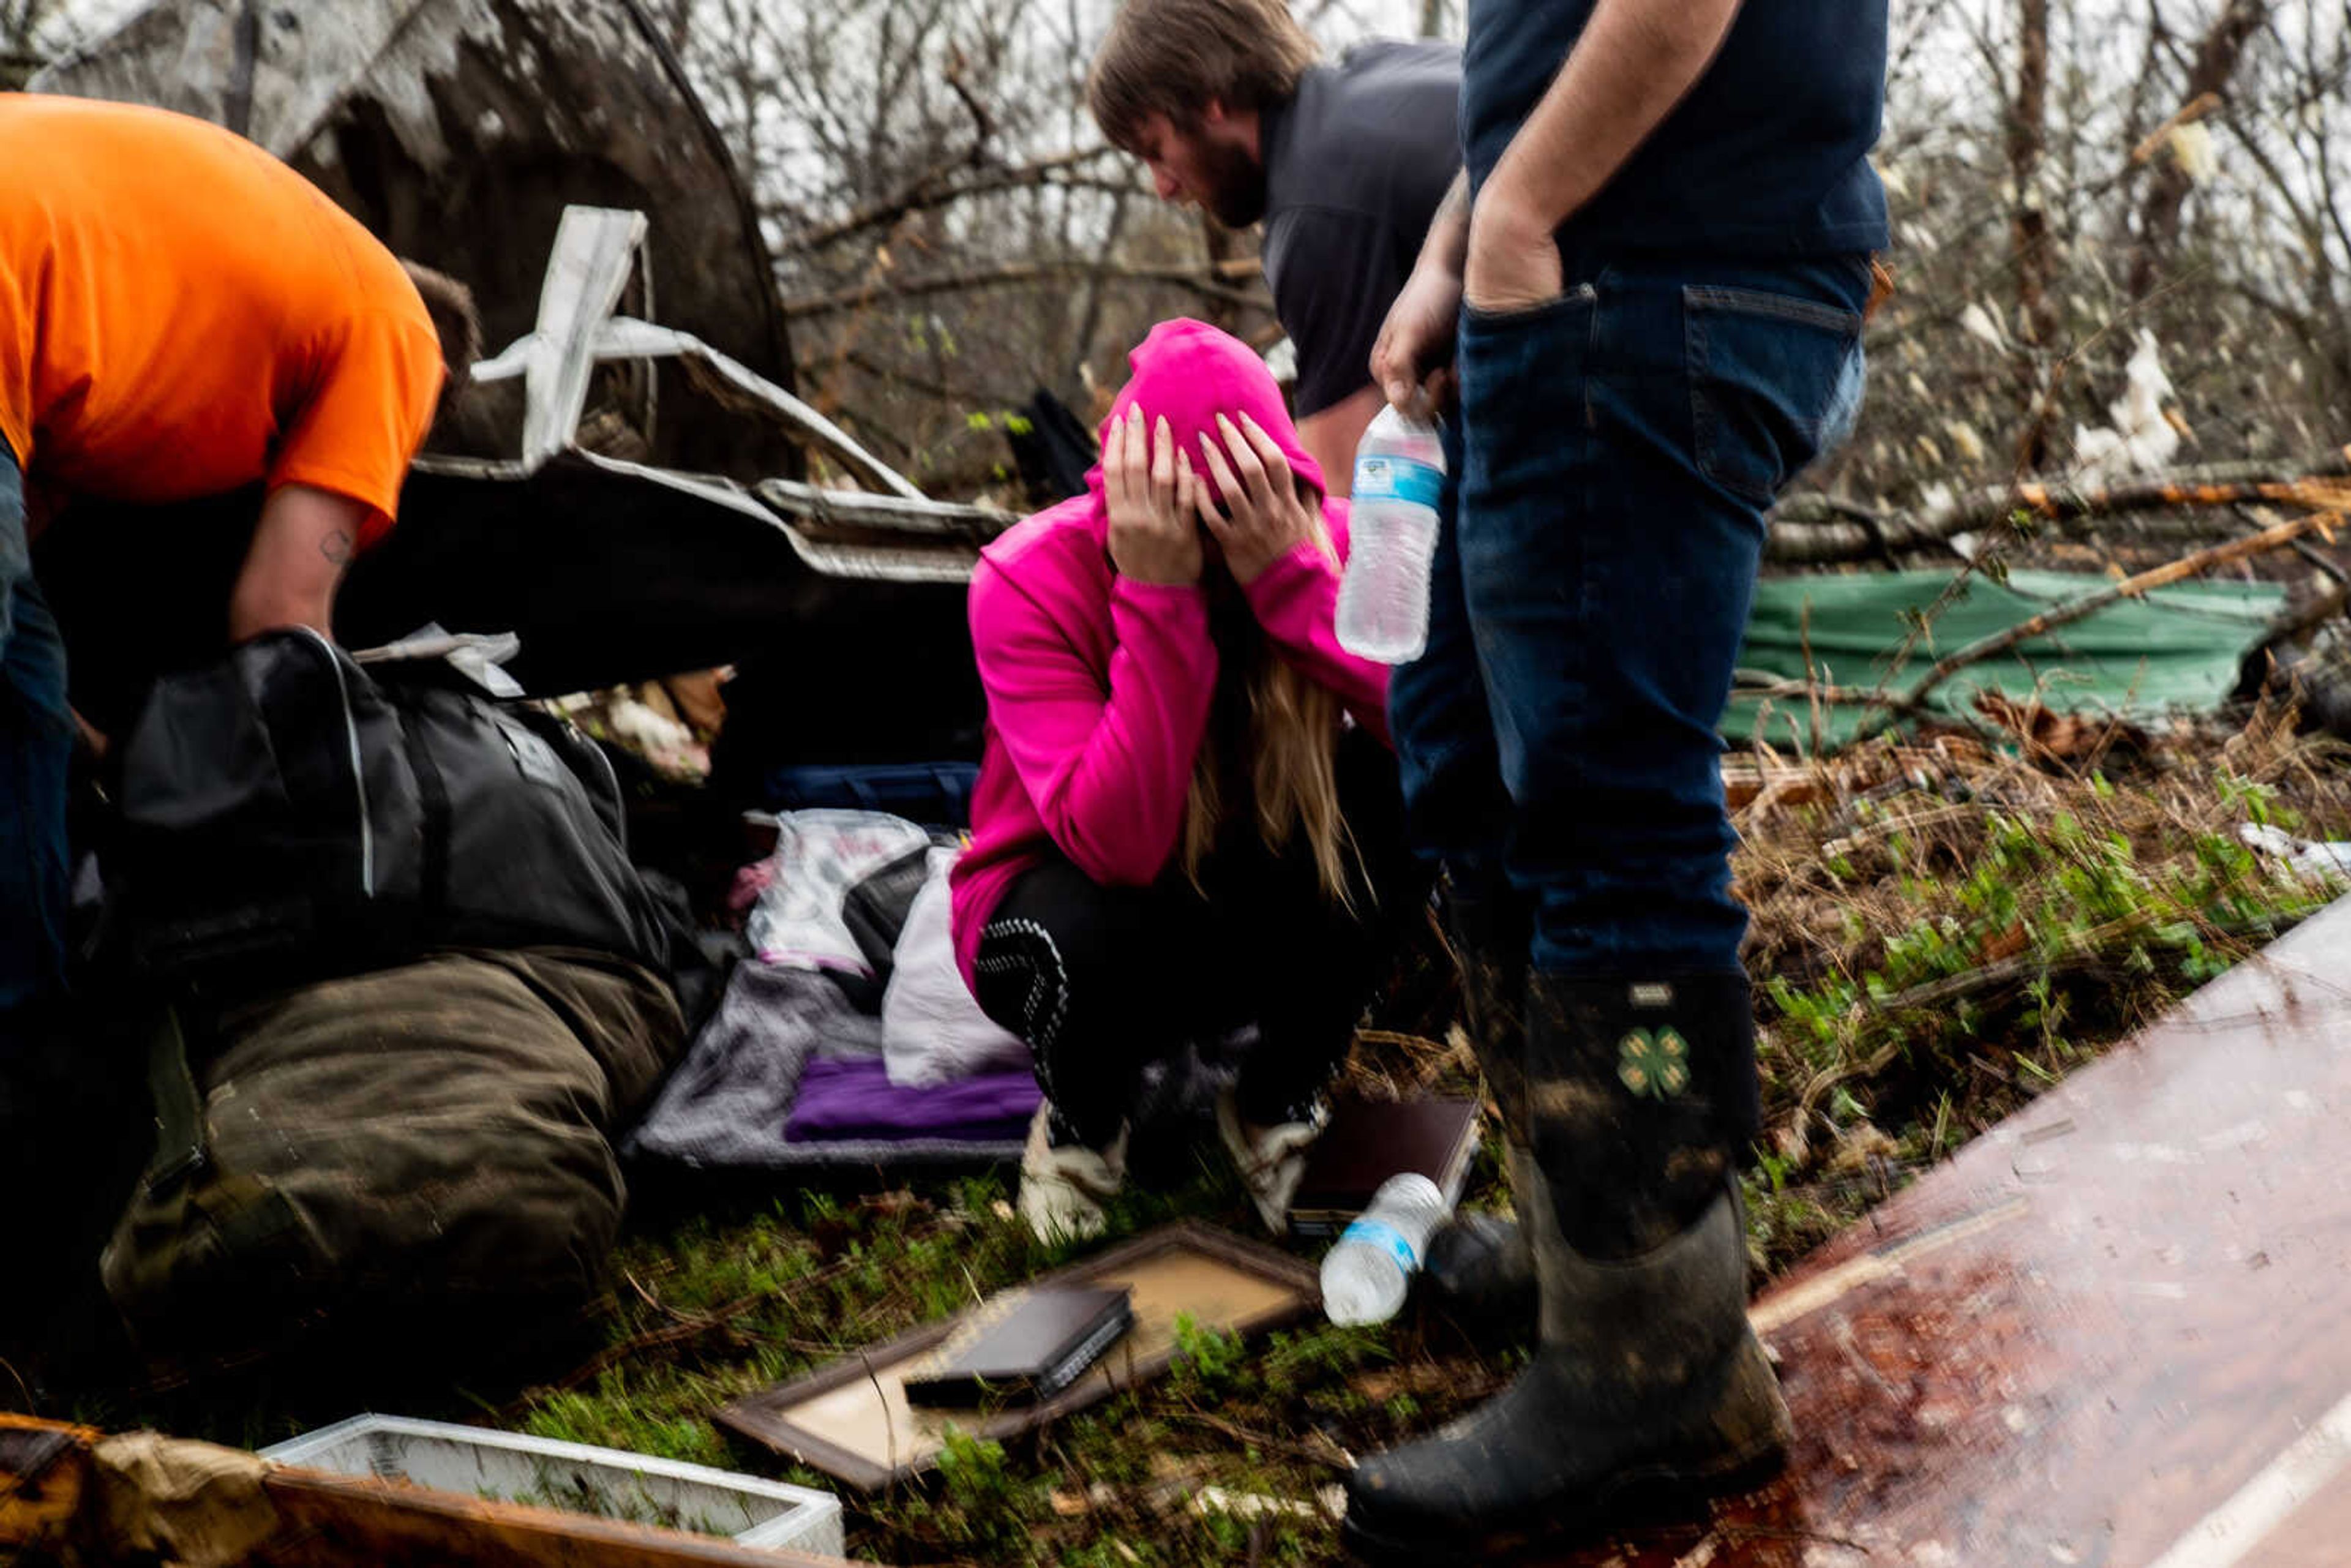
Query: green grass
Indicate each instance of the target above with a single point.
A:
(1114, 1484)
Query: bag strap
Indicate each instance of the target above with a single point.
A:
(179, 1109)
(432, 798)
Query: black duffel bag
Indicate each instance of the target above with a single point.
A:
(285, 816)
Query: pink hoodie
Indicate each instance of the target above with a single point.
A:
(1099, 687)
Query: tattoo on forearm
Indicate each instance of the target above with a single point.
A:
(336, 548)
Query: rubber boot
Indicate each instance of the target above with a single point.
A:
(1479, 1269)
(1648, 1392)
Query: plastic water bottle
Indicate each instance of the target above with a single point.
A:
(1391, 536)
(1365, 1275)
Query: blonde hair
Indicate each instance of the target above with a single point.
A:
(1294, 741)
(1173, 56)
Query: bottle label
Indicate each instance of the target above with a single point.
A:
(1393, 478)
(1385, 1237)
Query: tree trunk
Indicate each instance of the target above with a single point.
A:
(2158, 214)
(2028, 230)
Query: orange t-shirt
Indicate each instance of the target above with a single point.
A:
(181, 314)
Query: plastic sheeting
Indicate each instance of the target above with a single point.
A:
(2176, 649)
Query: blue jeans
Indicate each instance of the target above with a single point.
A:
(1615, 451)
(36, 744)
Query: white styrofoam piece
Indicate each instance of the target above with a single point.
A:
(511, 1467)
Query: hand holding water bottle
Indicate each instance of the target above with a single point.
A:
(1391, 539)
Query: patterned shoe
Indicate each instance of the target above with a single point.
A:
(1063, 1183)
(1271, 1160)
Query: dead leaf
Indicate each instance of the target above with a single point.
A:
(2007, 944)
(2059, 737)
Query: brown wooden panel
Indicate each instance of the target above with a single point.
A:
(337, 1521)
(2112, 1330)
(326, 1520)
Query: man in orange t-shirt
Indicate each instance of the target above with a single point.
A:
(181, 315)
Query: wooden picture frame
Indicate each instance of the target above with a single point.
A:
(851, 1418)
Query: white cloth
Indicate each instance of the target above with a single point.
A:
(820, 856)
(933, 1032)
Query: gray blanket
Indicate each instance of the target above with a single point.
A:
(725, 1106)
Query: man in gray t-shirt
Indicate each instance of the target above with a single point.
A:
(1345, 163)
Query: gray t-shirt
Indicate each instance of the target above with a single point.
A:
(1356, 165)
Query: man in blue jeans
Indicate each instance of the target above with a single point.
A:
(1650, 284)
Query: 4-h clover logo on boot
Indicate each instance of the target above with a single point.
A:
(1653, 1063)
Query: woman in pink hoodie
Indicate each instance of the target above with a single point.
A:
(1187, 817)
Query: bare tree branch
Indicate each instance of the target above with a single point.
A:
(939, 187)
(1202, 281)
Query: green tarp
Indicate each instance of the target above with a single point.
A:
(2176, 648)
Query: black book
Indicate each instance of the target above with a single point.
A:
(1032, 1353)
(1367, 1142)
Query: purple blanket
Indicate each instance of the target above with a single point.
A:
(855, 1099)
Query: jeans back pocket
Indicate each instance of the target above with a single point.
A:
(1775, 380)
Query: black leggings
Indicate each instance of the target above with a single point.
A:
(1103, 981)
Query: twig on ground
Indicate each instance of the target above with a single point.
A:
(1828, 1078)
(1304, 1452)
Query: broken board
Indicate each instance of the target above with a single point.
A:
(851, 1419)
(70, 1494)
(2110, 1331)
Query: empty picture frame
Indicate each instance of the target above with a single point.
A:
(851, 1419)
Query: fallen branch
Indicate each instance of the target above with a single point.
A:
(2073, 609)
(2259, 517)
(1807, 692)
(1205, 282)
(1815, 530)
